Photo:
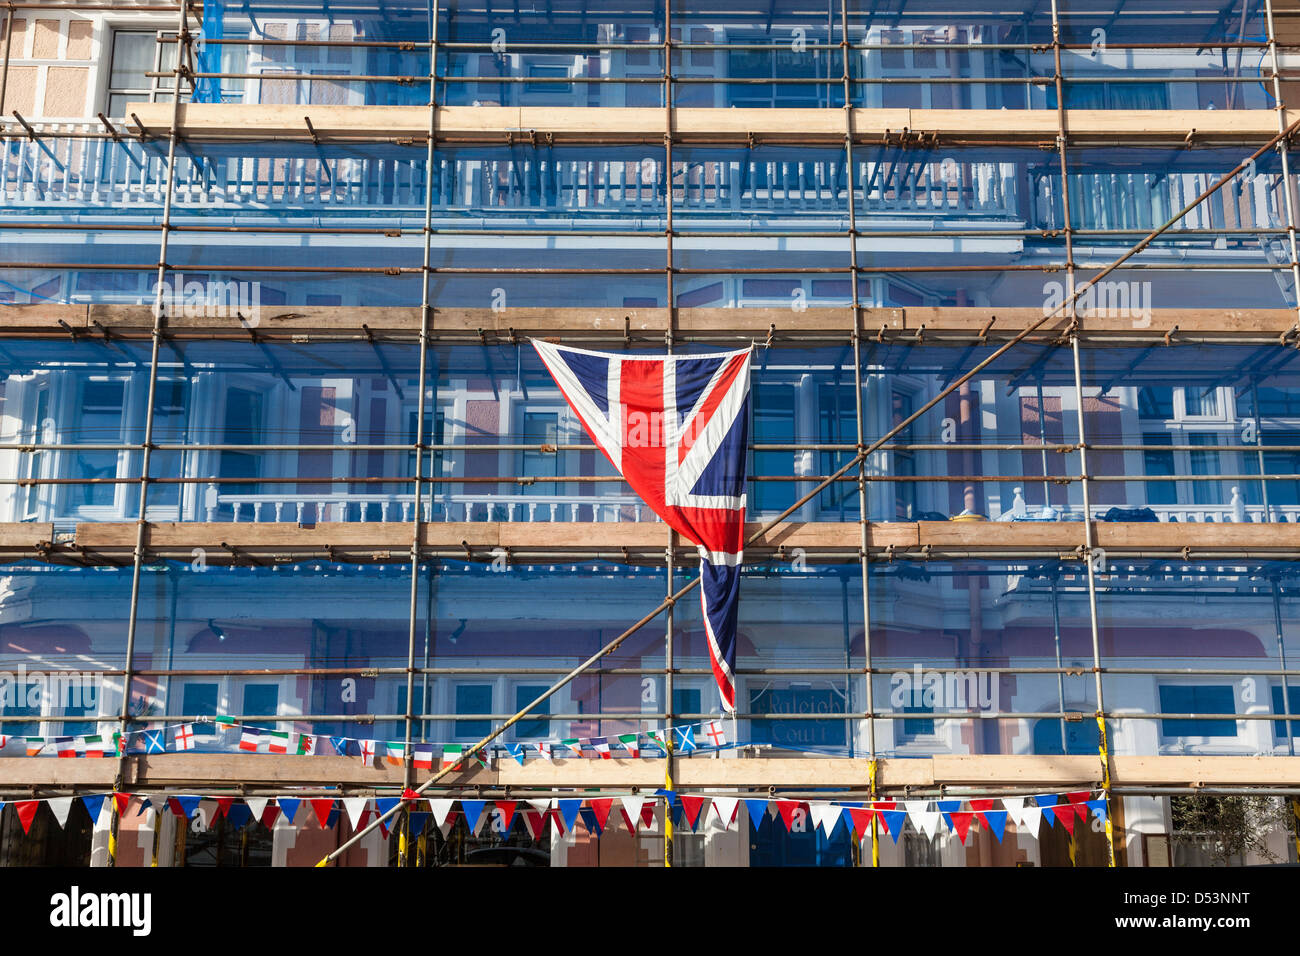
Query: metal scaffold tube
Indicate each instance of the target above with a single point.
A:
(137, 562)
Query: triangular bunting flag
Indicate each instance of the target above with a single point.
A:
(354, 807)
(473, 810)
(1098, 807)
(691, 806)
(322, 808)
(440, 810)
(60, 806)
(238, 815)
(756, 810)
(184, 806)
(726, 810)
(26, 810)
(568, 812)
(94, 805)
(289, 807)
(1045, 803)
(507, 808)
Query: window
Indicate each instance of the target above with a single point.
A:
(200, 699)
(1081, 736)
(1292, 708)
(1275, 402)
(1205, 463)
(261, 700)
(242, 426)
(134, 54)
(549, 72)
(171, 414)
(100, 422)
(1157, 462)
(686, 700)
(837, 424)
(1201, 402)
(473, 699)
(36, 433)
(773, 424)
(1156, 402)
(918, 728)
(903, 405)
(531, 728)
(22, 700)
(1197, 699)
(541, 428)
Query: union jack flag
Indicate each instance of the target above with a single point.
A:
(676, 428)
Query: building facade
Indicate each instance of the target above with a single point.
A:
(274, 445)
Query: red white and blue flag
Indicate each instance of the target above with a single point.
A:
(677, 429)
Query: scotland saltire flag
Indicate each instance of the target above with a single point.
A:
(676, 428)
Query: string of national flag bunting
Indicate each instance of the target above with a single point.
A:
(635, 812)
(686, 738)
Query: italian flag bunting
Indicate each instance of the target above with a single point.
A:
(94, 746)
(629, 742)
(451, 756)
(278, 741)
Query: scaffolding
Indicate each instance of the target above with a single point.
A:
(186, 129)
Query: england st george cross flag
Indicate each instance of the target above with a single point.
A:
(676, 428)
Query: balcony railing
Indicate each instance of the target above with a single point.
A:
(307, 507)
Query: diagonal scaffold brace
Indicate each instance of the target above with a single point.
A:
(862, 453)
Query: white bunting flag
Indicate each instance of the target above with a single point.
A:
(726, 807)
(355, 807)
(826, 816)
(257, 805)
(631, 807)
(60, 806)
(440, 810)
(926, 821)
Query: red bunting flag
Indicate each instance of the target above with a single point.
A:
(961, 821)
(121, 800)
(269, 814)
(878, 808)
(691, 806)
(601, 808)
(1066, 816)
(1077, 802)
(861, 821)
(507, 808)
(27, 812)
(223, 806)
(787, 808)
(981, 807)
(323, 807)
